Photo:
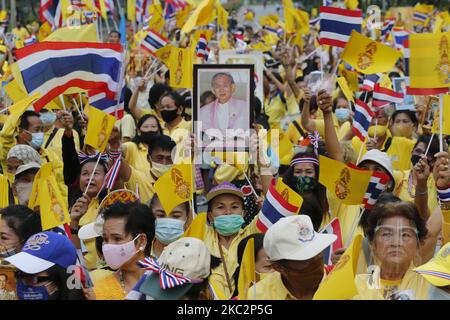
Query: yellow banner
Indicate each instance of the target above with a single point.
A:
(100, 125)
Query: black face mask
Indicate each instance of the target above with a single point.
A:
(169, 115)
(415, 158)
(145, 137)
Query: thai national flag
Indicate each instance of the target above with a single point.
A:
(336, 25)
(362, 119)
(377, 185)
(387, 27)
(99, 100)
(141, 6)
(271, 30)
(170, 9)
(51, 68)
(443, 194)
(382, 95)
(153, 41)
(202, 50)
(334, 227)
(314, 22)
(30, 40)
(111, 175)
(369, 81)
(399, 37)
(420, 17)
(274, 208)
(46, 12)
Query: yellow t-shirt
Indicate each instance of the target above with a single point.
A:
(292, 105)
(56, 143)
(136, 155)
(21, 33)
(108, 287)
(431, 187)
(294, 134)
(91, 256)
(275, 110)
(270, 288)
(127, 126)
(144, 182)
(230, 256)
(344, 129)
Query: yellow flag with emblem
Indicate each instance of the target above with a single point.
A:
(181, 68)
(340, 283)
(100, 125)
(157, 21)
(247, 272)
(182, 16)
(429, 68)
(345, 183)
(202, 15)
(44, 171)
(445, 117)
(197, 229)
(53, 208)
(175, 187)
(163, 54)
(350, 76)
(368, 56)
(288, 194)
(345, 88)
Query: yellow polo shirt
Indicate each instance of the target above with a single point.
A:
(136, 155)
(230, 256)
(270, 288)
(144, 182)
(91, 257)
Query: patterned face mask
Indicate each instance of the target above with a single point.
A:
(304, 184)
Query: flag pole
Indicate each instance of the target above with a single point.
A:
(76, 106)
(429, 144)
(360, 151)
(251, 186)
(93, 172)
(62, 102)
(441, 142)
(354, 226)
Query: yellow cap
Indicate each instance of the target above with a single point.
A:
(437, 270)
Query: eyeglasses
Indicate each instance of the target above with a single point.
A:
(387, 233)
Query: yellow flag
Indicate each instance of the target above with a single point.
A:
(85, 33)
(44, 171)
(368, 56)
(247, 274)
(222, 16)
(44, 31)
(288, 194)
(345, 89)
(268, 21)
(438, 24)
(53, 209)
(103, 9)
(340, 283)
(224, 44)
(347, 184)
(197, 228)
(164, 54)
(15, 113)
(202, 15)
(182, 16)
(157, 21)
(445, 117)
(197, 33)
(4, 192)
(131, 10)
(429, 68)
(174, 187)
(99, 128)
(249, 16)
(351, 4)
(181, 68)
(261, 46)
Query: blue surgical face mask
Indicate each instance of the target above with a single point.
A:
(48, 118)
(342, 114)
(37, 140)
(26, 292)
(228, 224)
(435, 293)
(167, 230)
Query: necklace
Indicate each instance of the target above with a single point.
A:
(122, 282)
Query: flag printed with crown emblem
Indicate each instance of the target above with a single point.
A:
(337, 24)
(281, 201)
(362, 119)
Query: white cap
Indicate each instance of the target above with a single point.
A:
(380, 158)
(26, 167)
(92, 230)
(294, 238)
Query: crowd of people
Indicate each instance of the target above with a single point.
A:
(121, 244)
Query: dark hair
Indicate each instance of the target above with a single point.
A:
(176, 97)
(258, 243)
(137, 138)
(186, 205)
(205, 95)
(155, 93)
(24, 122)
(138, 220)
(127, 98)
(114, 31)
(394, 74)
(300, 78)
(404, 209)
(434, 146)
(335, 101)
(60, 277)
(384, 198)
(161, 142)
(312, 208)
(409, 113)
(22, 220)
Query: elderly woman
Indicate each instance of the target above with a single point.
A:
(396, 234)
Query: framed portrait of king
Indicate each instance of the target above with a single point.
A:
(223, 111)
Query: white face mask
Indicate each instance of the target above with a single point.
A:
(23, 192)
(159, 169)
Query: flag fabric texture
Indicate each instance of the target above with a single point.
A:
(362, 119)
(167, 279)
(99, 129)
(333, 227)
(337, 24)
(277, 205)
(197, 228)
(51, 68)
(368, 56)
(386, 29)
(377, 185)
(247, 272)
(383, 95)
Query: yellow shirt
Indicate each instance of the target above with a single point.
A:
(136, 155)
(127, 126)
(294, 134)
(292, 105)
(344, 129)
(179, 134)
(108, 287)
(56, 143)
(445, 227)
(270, 288)
(144, 182)
(230, 256)
(431, 187)
(91, 256)
(275, 110)
(399, 151)
(21, 33)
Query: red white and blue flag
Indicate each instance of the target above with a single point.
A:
(383, 95)
(153, 41)
(202, 49)
(386, 28)
(274, 208)
(51, 68)
(314, 22)
(337, 24)
(400, 36)
(334, 227)
(369, 81)
(98, 99)
(362, 119)
(420, 17)
(46, 12)
(111, 175)
(141, 6)
(167, 279)
(30, 40)
(377, 184)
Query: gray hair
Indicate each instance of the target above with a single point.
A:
(226, 74)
